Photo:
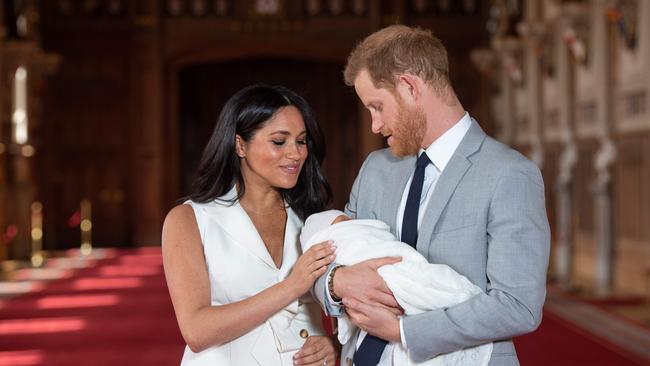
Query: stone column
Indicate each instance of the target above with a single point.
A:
(569, 156)
(606, 154)
(532, 31)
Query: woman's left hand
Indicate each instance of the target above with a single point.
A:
(317, 351)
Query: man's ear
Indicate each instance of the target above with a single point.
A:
(409, 88)
(240, 146)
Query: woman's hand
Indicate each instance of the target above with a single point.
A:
(317, 351)
(311, 265)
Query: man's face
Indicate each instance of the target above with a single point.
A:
(402, 125)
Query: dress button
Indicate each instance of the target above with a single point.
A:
(304, 333)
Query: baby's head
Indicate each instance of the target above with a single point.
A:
(340, 218)
(320, 221)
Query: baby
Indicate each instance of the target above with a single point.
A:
(417, 285)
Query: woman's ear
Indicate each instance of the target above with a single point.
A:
(240, 146)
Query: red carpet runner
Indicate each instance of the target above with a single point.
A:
(118, 312)
(115, 313)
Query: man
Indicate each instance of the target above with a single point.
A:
(467, 201)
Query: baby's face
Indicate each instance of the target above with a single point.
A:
(340, 218)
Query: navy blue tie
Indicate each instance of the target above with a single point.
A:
(371, 348)
(412, 208)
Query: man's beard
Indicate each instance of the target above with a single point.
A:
(408, 132)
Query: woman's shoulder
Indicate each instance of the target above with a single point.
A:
(201, 211)
(191, 211)
(180, 214)
(191, 215)
(179, 223)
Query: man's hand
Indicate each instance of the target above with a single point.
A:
(375, 320)
(362, 283)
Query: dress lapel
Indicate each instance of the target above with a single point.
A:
(291, 249)
(234, 220)
(447, 183)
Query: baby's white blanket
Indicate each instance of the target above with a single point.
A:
(418, 285)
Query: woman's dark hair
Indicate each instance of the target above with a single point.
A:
(244, 114)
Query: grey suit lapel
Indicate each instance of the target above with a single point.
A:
(390, 200)
(447, 183)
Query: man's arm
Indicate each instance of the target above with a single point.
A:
(518, 250)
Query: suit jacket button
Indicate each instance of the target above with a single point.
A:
(304, 333)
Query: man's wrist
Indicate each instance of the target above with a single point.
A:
(402, 336)
(330, 284)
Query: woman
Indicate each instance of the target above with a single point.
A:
(231, 252)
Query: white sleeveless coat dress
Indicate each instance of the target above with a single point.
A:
(239, 267)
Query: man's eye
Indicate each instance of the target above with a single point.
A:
(278, 143)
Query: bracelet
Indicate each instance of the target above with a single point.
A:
(330, 284)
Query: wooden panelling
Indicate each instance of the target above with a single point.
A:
(85, 138)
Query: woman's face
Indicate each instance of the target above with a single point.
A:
(274, 156)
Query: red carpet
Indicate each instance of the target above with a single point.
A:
(118, 312)
(558, 343)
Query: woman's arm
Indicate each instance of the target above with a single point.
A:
(203, 325)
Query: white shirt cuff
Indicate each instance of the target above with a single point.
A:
(401, 332)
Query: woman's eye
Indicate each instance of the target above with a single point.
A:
(302, 142)
(278, 143)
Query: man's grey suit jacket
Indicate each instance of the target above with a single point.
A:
(487, 220)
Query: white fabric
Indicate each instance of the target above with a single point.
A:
(418, 285)
(240, 266)
(315, 223)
